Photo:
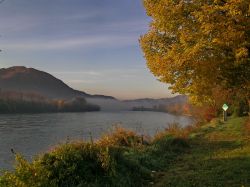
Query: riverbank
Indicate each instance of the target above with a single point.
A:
(219, 155)
(214, 154)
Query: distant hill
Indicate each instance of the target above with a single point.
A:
(175, 105)
(30, 80)
(148, 102)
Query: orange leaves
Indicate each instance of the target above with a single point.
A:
(196, 45)
(241, 52)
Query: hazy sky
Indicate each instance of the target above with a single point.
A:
(92, 45)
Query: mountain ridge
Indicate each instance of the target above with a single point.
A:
(155, 99)
(29, 80)
(23, 79)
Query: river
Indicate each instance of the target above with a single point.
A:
(31, 134)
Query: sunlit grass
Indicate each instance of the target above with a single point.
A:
(219, 156)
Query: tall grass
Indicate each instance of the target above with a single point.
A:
(247, 126)
(119, 158)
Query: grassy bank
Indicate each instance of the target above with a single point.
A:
(219, 156)
(214, 154)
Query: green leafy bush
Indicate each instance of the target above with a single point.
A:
(118, 159)
(77, 164)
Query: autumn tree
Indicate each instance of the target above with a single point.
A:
(198, 45)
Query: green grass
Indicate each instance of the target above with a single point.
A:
(219, 155)
(215, 154)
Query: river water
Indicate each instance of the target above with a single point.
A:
(31, 134)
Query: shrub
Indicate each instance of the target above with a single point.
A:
(118, 159)
(175, 130)
(120, 137)
(77, 164)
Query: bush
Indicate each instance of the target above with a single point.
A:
(75, 165)
(241, 108)
(120, 137)
(119, 158)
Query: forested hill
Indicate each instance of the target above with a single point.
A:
(29, 80)
(25, 84)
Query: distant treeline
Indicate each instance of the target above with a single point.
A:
(200, 113)
(17, 102)
(178, 109)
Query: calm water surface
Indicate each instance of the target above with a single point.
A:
(31, 134)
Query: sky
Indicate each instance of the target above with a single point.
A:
(92, 45)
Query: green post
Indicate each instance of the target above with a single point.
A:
(224, 115)
(225, 107)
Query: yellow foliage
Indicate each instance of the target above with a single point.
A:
(198, 45)
(120, 137)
